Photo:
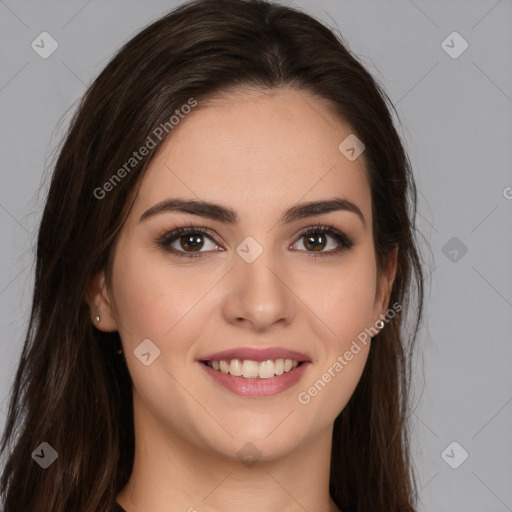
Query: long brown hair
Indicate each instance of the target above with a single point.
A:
(71, 389)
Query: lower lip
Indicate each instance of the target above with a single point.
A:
(257, 387)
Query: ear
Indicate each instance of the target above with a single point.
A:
(385, 284)
(100, 304)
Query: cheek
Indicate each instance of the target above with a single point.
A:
(149, 299)
(346, 307)
(344, 299)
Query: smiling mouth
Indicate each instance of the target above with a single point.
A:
(254, 369)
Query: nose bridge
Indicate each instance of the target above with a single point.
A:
(258, 291)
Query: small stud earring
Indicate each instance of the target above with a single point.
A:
(379, 324)
(98, 318)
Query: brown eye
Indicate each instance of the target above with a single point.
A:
(319, 238)
(187, 241)
(191, 242)
(315, 241)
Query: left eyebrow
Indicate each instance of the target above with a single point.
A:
(304, 210)
(229, 216)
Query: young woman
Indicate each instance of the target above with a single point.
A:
(224, 262)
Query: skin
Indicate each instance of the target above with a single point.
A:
(188, 429)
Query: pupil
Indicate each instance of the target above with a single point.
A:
(190, 241)
(312, 237)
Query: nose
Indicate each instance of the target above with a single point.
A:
(258, 294)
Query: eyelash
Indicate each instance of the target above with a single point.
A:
(169, 237)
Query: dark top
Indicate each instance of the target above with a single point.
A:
(118, 508)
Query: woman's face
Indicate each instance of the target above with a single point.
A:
(254, 282)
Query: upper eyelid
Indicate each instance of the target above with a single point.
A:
(175, 233)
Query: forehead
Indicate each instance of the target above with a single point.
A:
(247, 148)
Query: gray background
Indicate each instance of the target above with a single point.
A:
(457, 126)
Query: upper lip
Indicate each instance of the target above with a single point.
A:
(257, 354)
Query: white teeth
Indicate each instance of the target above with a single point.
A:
(266, 369)
(250, 369)
(235, 368)
(254, 369)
